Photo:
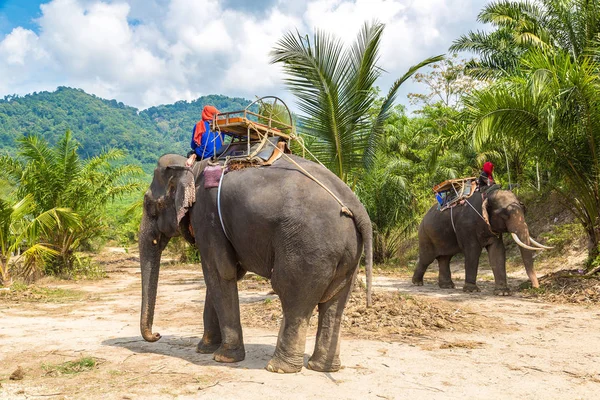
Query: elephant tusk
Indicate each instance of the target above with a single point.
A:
(539, 245)
(155, 241)
(523, 245)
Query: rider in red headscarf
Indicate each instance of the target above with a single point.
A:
(205, 143)
(486, 178)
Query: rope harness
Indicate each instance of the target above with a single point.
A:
(487, 223)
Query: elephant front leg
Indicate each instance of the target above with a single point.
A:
(497, 257)
(211, 339)
(471, 266)
(426, 257)
(224, 297)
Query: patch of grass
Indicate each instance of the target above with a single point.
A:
(20, 291)
(563, 235)
(86, 268)
(71, 367)
(268, 301)
(257, 278)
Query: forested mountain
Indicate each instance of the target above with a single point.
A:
(98, 123)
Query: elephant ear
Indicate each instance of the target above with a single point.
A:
(185, 191)
(484, 211)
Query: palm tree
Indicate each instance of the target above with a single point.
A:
(568, 25)
(20, 234)
(553, 109)
(55, 177)
(334, 88)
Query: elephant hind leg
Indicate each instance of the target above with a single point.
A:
(445, 275)
(326, 355)
(289, 353)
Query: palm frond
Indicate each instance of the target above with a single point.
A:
(384, 111)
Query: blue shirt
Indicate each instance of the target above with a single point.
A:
(210, 143)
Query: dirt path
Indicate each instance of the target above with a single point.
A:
(538, 350)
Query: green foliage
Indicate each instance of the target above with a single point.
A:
(22, 248)
(552, 109)
(446, 82)
(21, 291)
(563, 235)
(414, 154)
(188, 253)
(333, 86)
(98, 124)
(519, 26)
(68, 194)
(71, 367)
(543, 109)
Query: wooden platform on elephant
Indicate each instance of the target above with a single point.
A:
(241, 123)
(452, 191)
(457, 185)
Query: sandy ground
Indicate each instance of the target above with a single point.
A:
(532, 350)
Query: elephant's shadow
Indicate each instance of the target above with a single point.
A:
(257, 355)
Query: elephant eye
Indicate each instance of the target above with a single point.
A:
(523, 207)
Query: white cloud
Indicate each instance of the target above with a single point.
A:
(146, 52)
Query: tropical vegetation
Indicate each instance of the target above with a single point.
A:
(547, 104)
(529, 101)
(63, 200)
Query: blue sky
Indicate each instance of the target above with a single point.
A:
(15, 13)
(149, 52)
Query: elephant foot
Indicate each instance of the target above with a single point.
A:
(470, 288)
(207, 348)
(502, 291)
(446, 285)
(417, 281)
(226, 355)
(281, 367)
(323, 365)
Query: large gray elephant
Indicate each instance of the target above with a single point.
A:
(462, 229)
(277, 223)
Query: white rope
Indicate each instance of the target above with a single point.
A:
(219, 205)
(467, 201)
(474, 209)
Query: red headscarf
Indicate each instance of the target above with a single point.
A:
(208, 113)
(488, 168)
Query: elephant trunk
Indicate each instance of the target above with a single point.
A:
(527, 255)
(150, 253)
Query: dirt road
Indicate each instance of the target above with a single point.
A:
(530, 350)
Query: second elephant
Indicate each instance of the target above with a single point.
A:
(463, 229)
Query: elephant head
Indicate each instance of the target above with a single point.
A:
(166, 204)
(507, 214)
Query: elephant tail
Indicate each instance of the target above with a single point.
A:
(363, 223)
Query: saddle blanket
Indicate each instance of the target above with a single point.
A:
(212, 175)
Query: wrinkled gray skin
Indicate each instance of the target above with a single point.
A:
(284, 227)
(437, 240)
